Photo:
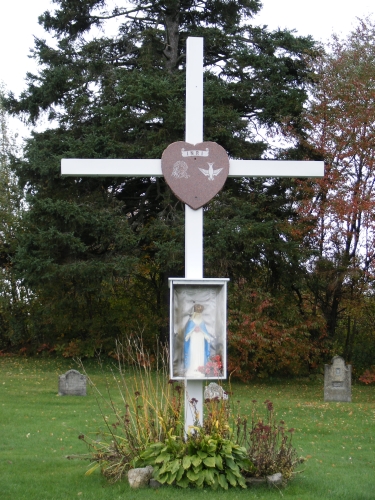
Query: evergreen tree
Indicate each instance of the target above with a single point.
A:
(13, 296)
(97, 252)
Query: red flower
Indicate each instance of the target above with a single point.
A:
(213, 366)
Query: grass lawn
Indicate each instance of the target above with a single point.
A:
(38, 429)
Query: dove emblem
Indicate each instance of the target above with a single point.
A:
(211, 173)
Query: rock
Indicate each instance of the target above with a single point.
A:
(275, 479)
(154, 484)
(214, 390)
(253, 481)
(140, 477)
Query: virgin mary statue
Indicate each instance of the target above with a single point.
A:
(197, 343)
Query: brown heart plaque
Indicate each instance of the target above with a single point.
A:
(195, 172)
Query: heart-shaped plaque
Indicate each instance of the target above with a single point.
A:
(195, 172)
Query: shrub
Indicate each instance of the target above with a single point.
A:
(368, 377)
(268, 443)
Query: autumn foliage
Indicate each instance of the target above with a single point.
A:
(270, 340)
(368, 377)
(339, 208)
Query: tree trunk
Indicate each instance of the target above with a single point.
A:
(172, 20)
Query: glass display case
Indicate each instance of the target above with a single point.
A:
(198, 321)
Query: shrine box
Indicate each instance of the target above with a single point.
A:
(198, 328)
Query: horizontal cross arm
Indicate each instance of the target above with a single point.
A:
(110, 168)
(275, 168)
(152, 168)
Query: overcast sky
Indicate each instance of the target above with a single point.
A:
(319, 18)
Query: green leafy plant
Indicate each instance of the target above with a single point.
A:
(200, 460)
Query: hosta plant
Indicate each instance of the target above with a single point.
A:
(200, 460)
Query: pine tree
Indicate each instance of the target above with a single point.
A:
(97, 252)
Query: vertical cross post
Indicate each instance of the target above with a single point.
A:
(194, 218)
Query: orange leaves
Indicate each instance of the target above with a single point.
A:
(339, 209)
(342, 130)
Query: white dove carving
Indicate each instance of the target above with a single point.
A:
(210, 173)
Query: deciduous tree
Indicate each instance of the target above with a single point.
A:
(341, 131)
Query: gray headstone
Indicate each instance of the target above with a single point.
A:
(213, 391)
(72, 383)
(338, 381)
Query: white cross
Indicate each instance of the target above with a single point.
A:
(193, 218)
